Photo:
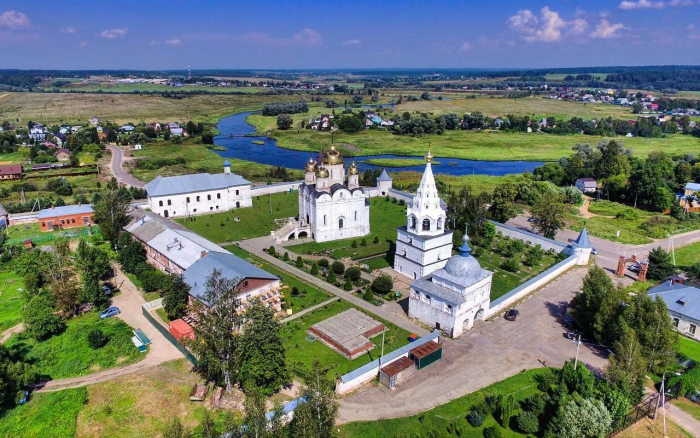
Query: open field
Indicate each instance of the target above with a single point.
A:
(48, 415)
(309, 294)
(520, 386)
(129, 88)
(489, 146)
(68, 354)
(255, 221)
(689, 348)
(385, 217)
(409, 180)
(11, 299)
(82, 185)
(124, 108)
(688, 255)
(198, 158)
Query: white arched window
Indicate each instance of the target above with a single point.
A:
(439, 223)
(340, 223)
(324, 219)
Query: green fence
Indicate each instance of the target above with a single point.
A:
(164, 331)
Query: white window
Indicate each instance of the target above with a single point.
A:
(691, 329)
(675, 322)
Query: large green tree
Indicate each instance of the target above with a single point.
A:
(660, 266)
(503, 202)
(579, 417)
(549, 214)
(111, 213)
(262, 353)
(597, 308)
(14, 375)
(175, 296)
(39, 316)
(315, 416)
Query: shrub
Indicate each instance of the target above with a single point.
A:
(348, 285)
(330, 277)
(376, 239)
(299, 263)
(493, 402)
(271, 250)
(286, 256)
(364, 242)
(383, 284)
(295, 291)
(338, 267)
(368, 296)
(314, 269)
(510, 265)
(628, 214)
(353, 273)
(96, 339)
(535, 404)
(528, 422)
(323, 263)
(492, 432)
(354, 244)
(152, 279)
(475, 419)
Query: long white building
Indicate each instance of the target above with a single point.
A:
(201, 193)
(424, 244)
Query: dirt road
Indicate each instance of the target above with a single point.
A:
(118, 171)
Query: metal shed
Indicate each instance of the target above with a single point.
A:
(426, 354)
(396, 372)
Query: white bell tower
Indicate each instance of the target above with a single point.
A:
(423, 245)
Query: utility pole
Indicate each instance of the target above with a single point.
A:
(578, 345)
(270, 204)
(663, 401)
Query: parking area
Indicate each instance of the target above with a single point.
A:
(491, 352)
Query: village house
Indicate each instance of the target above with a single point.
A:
(586, 185)
(10, 171)
(59, 139)
(37, 132)
(201, 193)
(690, 198)
(94, 121)
(67, 216)
(62, 154)
(683, 303)
(126, 128)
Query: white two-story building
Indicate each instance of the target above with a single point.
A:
(201, 193)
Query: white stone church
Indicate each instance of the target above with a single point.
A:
(447, 292)
(331, 207)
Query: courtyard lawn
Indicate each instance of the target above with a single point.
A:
(689, 348)
(688, 255)
(309, 294)
(385, 217)
(436, 420)
(68, 354)
(504, 281)
(301, 353)
(641, 230)
(47, 415)
(255, 221)
(379, 262)
(11, 299)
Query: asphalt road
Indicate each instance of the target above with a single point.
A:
(118, 171)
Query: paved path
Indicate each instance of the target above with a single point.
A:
(686, 421)
(490, 352)
(308, 310)
(394, 316)
(161, 350)
(11, 331)
(118, 171)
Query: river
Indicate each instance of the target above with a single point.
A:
(233, 130)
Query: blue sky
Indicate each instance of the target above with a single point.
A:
(158, 34)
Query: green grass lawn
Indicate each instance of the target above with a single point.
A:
(520, 386)
(637, 231)
(68, 354)
(689, 348)
(379, 262)
(504, 281)
(688, 255)
(309, 293)
(11, 299)
(302, 353)
(47, 415)
(385, 217)
(255, 221)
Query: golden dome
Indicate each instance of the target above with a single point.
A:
(322, 172)
(429, 157)
(353, 170)
(333, 156)
(310, 165)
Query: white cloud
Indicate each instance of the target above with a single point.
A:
(547, 28)
(173, 42)
(578, 26)
(629, 5)
(83, 44)
(352, 42)
(69, 29)
(114, 33)
(308, 37)
(465, 47)
(14, 20)
(605, 30)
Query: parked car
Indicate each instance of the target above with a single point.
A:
(111, 311)
(107, 290)
(634, 268)
(594, 251)
(512, 314)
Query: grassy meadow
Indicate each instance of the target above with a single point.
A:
(255, 221)
(47, 415)
(68, 354)
(11, 299)
(688, 255)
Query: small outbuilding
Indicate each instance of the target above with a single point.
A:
(426, 354)
(180, 329)
(586, 185)
(397, 372)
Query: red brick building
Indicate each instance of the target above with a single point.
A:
(68, 216)
(11, 171)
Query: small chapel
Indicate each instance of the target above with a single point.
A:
(332, 203)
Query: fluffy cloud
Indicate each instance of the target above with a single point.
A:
(114, 33)
(547, 28)
(69, 29)
(629, 5)
(173, 42)
(306, 37)
(352, 42)
(465, 47)
(605, 30)
(14, 20)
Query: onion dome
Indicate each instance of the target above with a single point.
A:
(353, 170)
(333, 156)
(429, 157)
(310, 165)
(464, 265)
(322, 172)
(227, 164)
